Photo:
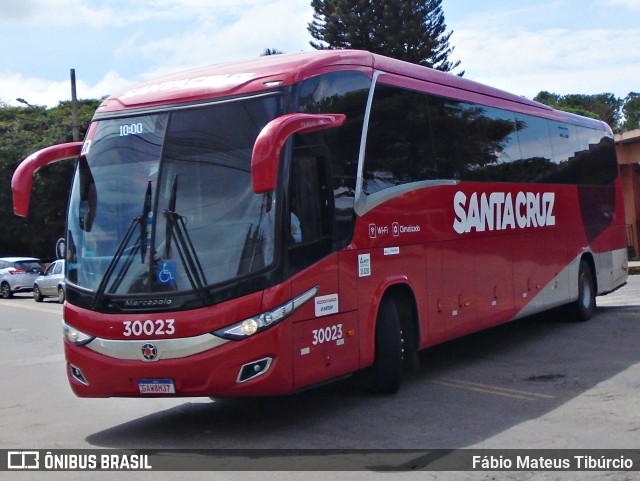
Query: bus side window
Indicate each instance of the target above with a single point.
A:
(310, 206)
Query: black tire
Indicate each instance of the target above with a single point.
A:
(385, 376)
(37, 296)
(60, 295)
(5, 291)
(585, 307)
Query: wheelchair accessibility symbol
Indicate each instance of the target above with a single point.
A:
(167, 272)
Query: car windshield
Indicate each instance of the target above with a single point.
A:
(164, 202)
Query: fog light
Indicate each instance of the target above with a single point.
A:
(254, 369)
(76, 373)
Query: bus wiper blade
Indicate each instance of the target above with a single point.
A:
(144, 222)
(114, 261)
(169, 225)
(139, 244)
(177, 227)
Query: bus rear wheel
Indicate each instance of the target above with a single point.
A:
(385, 376)
(585, 307)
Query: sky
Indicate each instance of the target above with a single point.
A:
(522, 46)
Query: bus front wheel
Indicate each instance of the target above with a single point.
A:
(385, 375)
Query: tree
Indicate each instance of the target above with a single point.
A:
(605, 106)
(271, 51)
(24, 130)
(631, 111)
(410, 30)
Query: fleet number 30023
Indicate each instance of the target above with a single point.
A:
(327, 334)
(161, 327)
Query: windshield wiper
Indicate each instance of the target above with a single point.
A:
(139, 244)
(144, 222)
(177, 227)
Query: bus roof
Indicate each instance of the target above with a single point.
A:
(265, 73)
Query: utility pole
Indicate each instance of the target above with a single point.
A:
(75, 130)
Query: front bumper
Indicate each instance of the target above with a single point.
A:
(200, 366)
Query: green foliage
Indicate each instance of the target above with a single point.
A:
(24, 130)
(271, 51)
(606, 106)
(410, 30)
(631, 111)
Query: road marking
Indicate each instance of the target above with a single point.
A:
(497, 390)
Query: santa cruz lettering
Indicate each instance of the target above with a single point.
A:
(500, 211)
(211, 81)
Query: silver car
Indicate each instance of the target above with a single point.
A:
(17, 274)
(51, 283)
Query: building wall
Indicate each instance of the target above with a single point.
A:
(628, 152)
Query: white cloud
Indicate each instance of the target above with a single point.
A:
(49, 93)
(278, 24)
(524, 49)
(36, 91)
(17, 10)
(625, 3)
(53, 12)
(162, 36)
(515, 51)
(118, 13)
(112, 82)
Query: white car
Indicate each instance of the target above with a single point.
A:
(17, 274)
(51, 283)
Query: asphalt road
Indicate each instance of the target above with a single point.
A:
(536, 383)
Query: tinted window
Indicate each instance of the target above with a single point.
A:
(414, 136)
(332, 154)
(597, 163)
(399, 142)
(475, 142)
(536, 157)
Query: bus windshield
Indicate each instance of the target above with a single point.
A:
(164, 201)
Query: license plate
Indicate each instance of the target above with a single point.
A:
(156, 386)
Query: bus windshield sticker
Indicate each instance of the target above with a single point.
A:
(167, 272)
(86, 147)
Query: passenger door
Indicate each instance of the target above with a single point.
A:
(322, 345)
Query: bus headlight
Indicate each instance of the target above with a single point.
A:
(74, 336)
(253, 325)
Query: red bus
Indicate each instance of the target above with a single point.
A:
(260, 227)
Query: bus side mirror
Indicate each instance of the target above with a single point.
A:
(265, 158)
(22, 180)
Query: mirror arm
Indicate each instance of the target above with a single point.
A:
(22, 181)
(270, 142)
